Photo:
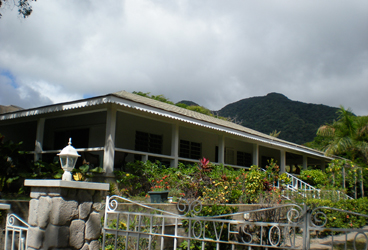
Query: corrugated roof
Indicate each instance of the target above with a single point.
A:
(167, 110)
(213, 120)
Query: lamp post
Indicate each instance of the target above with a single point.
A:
(68, 158)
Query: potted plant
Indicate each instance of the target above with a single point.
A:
(159, 190)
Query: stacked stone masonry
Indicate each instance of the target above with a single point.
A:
(64, 218)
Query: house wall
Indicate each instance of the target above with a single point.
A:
(128, 124)
(208, 140)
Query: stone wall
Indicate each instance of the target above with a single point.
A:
(64, 218)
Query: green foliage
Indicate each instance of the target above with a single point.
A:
(275, 133)
(195, 108)
(133, 243)
(200, 109)
(346, 137)
(337, 219)
(44, 170)
(84, 172)
(254, 183)
(14, 165)
(212, 184)
(314, 177)
(160, 98)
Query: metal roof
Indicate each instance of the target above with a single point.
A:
(155, 107)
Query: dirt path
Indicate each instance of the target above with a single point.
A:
(325, 243)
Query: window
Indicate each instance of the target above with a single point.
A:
(244, 159)
(146, 142)
(190, 150)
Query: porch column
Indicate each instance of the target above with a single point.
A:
(109, 149)
(282, 161)
(305, 162)
(323, 165)
(255, 154)
(39, 139)
(221, 149)
(175, 145)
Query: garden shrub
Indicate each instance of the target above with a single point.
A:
(336, 219)
(314, 177)
(212, 184)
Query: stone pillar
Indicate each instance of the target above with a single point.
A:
(65, 214)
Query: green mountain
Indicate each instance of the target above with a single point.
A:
(297, 121)
(188, 103)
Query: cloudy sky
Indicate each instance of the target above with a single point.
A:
(212, 52)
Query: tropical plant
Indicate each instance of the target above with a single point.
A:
(314, 177)
(348, 136)
(337, 219)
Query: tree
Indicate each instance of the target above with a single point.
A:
(348, 136)
(24, 6)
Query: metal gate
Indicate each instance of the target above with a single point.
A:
(282, 227)
(15, 233)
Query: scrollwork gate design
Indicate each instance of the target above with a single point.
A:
(15, 233)
(152, 228)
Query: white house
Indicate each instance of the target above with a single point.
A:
(113, 129)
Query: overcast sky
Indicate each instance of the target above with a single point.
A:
(211, 52)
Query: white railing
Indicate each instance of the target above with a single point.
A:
(306, 190)
(303, 189)
(15, 233)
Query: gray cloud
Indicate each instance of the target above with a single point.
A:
(211, 52)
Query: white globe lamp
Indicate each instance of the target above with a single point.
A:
(68, 158)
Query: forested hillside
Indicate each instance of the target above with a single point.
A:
(297, 121)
